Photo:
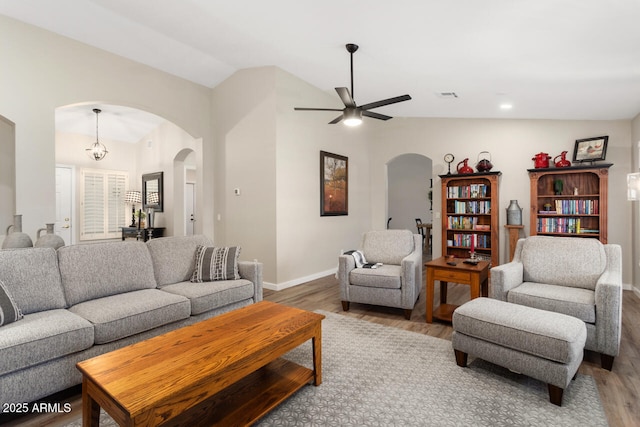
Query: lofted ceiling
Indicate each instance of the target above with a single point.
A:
(571, 59)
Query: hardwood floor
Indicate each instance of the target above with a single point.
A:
(619, 389)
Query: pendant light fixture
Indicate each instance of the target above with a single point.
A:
(97, 151)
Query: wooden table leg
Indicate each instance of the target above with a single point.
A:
(430, 280)
(475, 286)
(443, 292)
(485, 288)
(90, 408)
(317, 355)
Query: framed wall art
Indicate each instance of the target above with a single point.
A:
(334, 184)
(590, 149)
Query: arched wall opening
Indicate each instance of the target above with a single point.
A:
(409, 191)
(139, 142)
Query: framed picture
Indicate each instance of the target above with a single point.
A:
(334, 184)
(590, 149)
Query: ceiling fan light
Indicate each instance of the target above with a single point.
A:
(353, 117)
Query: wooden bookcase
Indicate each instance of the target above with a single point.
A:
(576, 208)
(470, 206)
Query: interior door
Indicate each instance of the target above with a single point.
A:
(189, 207)
(64, 203)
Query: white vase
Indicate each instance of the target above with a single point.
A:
(15, 238)
(50, 239)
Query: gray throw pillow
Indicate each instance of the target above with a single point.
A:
(9, 311)
(216, 264)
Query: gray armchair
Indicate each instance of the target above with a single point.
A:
(396, 283)
(579, 277)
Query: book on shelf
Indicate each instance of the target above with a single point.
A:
(548, 212)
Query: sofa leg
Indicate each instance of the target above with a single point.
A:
(606, 361)
(345, 305)
(407, 314)
(461, 358)
(555, 394)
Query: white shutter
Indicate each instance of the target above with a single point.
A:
(102, 210)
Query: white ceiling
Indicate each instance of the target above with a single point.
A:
(570, 59)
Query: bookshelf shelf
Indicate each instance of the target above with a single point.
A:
(470, 207)
(580, 208)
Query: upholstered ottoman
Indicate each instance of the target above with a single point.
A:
(544, 345)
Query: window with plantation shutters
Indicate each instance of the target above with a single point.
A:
(102, 211)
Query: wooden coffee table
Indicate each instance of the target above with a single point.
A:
(476, 276)
(225, 370)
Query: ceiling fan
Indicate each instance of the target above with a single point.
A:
(352, 113)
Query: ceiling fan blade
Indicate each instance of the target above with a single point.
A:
(344, 94)
(376, 115)
(337, 119)
(385, 102)
(317, 109)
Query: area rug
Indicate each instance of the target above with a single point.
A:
(376, 375)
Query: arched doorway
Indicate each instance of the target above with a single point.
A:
(138, 142)
(409, 191)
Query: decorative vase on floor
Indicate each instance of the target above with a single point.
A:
(15, 238)
(514, 213)
(50, 239)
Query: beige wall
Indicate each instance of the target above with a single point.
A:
(271, 154)
(43, 71)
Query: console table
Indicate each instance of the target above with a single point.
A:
(143, 234)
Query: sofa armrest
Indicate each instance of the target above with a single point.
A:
(252, 271)
(504, 278)
(609, 302)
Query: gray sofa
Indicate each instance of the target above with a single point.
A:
(579, 277)
(85, 300)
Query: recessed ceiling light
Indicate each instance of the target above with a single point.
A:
(506, 106)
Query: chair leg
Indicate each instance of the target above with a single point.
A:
(606, 361)
(345, 305)
(407, 313)
(555, 394)
(461, 358)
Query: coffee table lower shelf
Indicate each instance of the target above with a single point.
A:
(246, 401)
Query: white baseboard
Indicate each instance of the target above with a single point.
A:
(298, 281)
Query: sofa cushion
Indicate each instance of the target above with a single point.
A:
(385, 276)
(574, 302)
(211, 295)
(122, 315)
(582, 261)
(214, 263)
(174, 257)
(387, 246)
(43, 336)
(9, 310)
(32, 278)
(98, 270)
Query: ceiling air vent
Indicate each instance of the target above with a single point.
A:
(447, 95)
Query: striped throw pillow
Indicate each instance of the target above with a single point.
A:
(9, 311)
(216, 264)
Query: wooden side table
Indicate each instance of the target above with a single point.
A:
(476, 276)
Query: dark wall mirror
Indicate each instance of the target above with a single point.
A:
(152, 194)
